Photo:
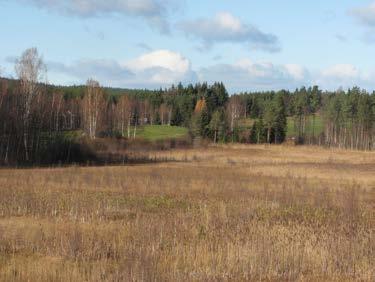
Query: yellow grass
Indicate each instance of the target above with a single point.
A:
(264, 213)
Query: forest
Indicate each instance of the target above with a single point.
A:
(47, 123)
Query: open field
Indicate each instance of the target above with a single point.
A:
(313, 127)
(265, 213)
(161, 132)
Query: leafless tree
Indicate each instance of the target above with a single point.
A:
(233, 111)
(56, 109)
(31, 71)
(123, 115)
(136, 106)
(93, 105)
(3, 88)
(165, 114)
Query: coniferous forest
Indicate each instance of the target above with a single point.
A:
(40, 120)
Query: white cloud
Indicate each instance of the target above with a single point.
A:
(155, 12)
(228, 21)
(296, 71)
(341, 71)
(162, 67)
(108, 72)
(224, 27)
(345, 76)
(247, 75)
(156, 69)
(161, 58)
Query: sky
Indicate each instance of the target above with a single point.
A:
(250, 45)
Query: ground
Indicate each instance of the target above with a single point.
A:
(222, 213)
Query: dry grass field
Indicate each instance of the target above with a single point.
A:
(239, 213)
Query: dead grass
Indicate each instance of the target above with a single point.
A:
(221, 213)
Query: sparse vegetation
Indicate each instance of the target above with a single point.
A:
(266, 213)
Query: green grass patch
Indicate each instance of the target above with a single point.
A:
(161, 132)
(313, 127)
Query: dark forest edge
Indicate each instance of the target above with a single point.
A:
(47, 124)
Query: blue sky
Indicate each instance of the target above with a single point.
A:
(249, 45)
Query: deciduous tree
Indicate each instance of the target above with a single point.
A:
(93, 105)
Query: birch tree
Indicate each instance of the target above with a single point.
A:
(123, 115)
(93, 104)
(233, 113)
(30, 71)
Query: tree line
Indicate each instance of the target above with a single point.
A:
(347, 117)
(37, 117)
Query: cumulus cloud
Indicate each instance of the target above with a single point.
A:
(224, 27)
(162, 67)
(341, 71)
(365, 14)
(156, 69)
(296, 71)
(106, 71)
(153, 11)
(261, 76)
(345, 76)
(248, 75)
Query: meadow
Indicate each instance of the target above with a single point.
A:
(161, 132)
(314, 126)
(221, 213)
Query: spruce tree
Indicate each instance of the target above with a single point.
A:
(280, 120)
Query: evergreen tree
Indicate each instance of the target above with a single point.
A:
(253, 133)
(269, 119)
(258, 134)
(301, 110)
(280, 120)
(157, 118)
